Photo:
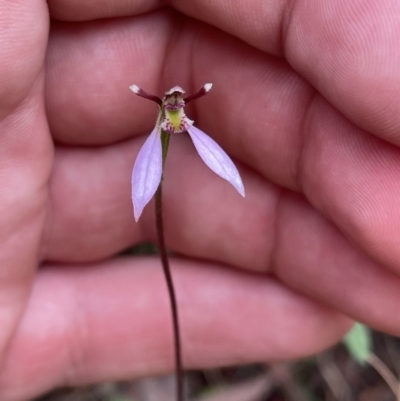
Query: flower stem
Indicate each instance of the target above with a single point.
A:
(168, 278)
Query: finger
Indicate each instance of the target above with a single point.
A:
(92, 310)
(352, 178)
(313, 257)
(271, 230)
(22, 58)
(347, 50)
(25, 154)
(90, 215)
(107, 56)
(76, 10)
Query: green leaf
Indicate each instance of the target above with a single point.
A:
(359, 343)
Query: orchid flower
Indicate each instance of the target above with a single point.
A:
(148, 168)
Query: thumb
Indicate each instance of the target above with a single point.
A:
(25, 153)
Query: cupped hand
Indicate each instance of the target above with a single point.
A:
(304, 100)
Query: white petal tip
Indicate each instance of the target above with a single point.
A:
(134, 89)
(238, 184)
(137, 213)
(207, 87)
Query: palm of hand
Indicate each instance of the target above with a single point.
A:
(320, 211)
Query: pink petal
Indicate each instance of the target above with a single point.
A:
(215, 158)
(147, 171)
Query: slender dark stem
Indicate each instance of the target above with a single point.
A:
(171, 292)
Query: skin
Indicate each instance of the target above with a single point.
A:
(305, 100)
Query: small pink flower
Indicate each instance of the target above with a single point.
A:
(147, 171)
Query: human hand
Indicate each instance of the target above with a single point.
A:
(318, 156)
